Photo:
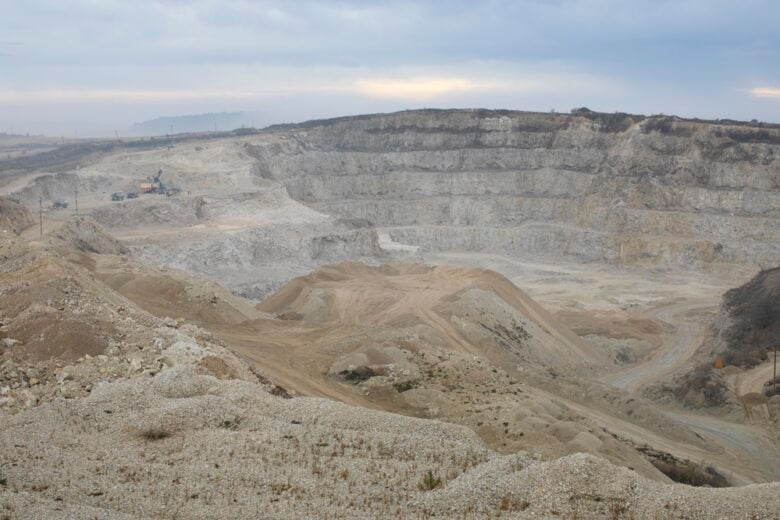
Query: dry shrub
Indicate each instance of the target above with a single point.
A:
(693, 474)
(513, 504)
(154, 433)
(429, 482)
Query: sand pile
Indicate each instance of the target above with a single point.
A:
(473, 309)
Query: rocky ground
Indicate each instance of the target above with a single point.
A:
(165, 422)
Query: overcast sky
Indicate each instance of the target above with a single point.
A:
(93, 66)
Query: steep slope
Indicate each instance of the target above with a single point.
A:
(84, 234)
(612, 189)
(608, 188)
(14, 217)
(749, 324)
(62, 330)
(52, 309)
(733, 371)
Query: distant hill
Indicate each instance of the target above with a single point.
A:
(220, 121)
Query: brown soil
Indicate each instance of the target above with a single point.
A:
(14, 217)
(51, 336)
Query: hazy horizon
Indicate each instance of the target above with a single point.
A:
(90, 68)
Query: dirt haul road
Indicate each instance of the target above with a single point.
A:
(676, 350)
(753, 380)
(742, 442)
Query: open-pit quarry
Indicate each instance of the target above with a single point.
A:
(425, 313)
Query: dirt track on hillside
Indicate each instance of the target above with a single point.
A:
(676, 350)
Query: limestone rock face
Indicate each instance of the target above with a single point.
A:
(656, 192)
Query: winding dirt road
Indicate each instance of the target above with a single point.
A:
(752, 381)
(747, 447)
(676, 350)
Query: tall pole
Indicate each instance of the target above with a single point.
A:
(77, 200)
(774, 373)
(40, 214)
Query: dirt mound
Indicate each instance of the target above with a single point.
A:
(459, 344)
(85, 235)
(467, 307)
(52, 309)
(62, 329)
(14, 217)
(168, 292)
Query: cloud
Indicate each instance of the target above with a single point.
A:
(765, 92)
(423, 89)
(411, 84)
(174, 56)
(132, 96)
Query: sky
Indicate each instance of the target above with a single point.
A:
(95, 67)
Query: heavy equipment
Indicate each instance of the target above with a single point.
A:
(117, 196)
(153, 184)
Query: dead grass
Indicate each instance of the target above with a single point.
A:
(154, 433)
(513, 504)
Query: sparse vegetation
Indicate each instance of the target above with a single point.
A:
(703, 385)
(617, 509)
(685, 471)
(754, 312)
(358, 375)
(694, 474)
(429, 482)
(231, 423)
(154, 433)
(513, 504)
